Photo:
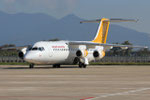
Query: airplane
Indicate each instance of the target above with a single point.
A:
(63, 52)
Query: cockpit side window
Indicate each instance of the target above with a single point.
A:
(41, 48)
(29, 48)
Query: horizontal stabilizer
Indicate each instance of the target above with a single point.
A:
(110, 20)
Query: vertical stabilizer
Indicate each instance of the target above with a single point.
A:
(102, 32)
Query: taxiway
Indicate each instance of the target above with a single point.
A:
(72, 83)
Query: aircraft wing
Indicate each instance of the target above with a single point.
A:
(106, 46)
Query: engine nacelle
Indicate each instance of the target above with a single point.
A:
(98, 54)
(82, 53)
(22, 53)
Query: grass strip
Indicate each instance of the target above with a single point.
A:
(13, 63)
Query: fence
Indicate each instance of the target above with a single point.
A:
(125, 59)
(10, 59)
(105, 59)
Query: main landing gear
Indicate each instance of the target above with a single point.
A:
(82, 65)
(31, 66)
(56, 66)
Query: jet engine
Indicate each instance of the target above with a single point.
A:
(22, 53)
(98, 54)
(82, 53)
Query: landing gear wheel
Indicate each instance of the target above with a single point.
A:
(82, 65)
(31, 66)
(56, 66)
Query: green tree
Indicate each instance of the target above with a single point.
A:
(117, 51)
(128, 51)
(143, 52)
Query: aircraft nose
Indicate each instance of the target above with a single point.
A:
(31, 57)
(28, 57)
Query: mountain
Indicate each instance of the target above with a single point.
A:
(22, 29)
(120, 34)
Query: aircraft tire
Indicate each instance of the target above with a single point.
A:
(56, 66)
(82, 65)
(31, 66)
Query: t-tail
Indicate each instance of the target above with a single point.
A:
(102, 32)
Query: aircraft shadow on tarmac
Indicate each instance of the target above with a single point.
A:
(44, 67)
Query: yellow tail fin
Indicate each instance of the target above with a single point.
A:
(102, 32)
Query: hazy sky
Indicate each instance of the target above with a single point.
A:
(88, 9)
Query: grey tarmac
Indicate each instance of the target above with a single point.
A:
(72, 83)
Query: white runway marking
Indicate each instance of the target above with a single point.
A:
(121, 93)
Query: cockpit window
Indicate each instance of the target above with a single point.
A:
(36, 49)
(41, 48)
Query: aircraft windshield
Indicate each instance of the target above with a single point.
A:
(36, 49)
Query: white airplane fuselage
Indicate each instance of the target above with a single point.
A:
(59, 52)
